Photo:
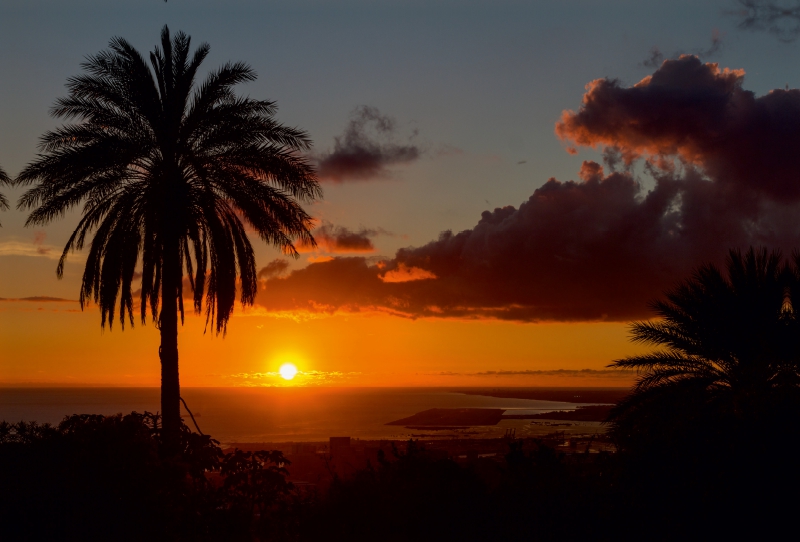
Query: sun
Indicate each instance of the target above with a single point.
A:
(288, 371)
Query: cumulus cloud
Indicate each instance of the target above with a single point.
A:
(594, 249)
(338, 239)
(701, 115)
(781, 18)
(602, 246)
(367, 148)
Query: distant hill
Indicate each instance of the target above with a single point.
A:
(453, 417)
(566, 395)
(593, 413)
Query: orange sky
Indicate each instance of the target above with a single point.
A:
(55, 343)
(468, 205)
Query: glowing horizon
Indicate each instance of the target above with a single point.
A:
(494, 216)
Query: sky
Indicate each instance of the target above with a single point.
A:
(506, 184)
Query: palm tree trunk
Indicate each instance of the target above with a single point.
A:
(170, 383)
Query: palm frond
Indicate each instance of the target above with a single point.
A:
(4, 179)
(158, 161)
(723, 336)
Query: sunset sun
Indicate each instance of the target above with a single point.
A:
(498, 269)
(288, 371)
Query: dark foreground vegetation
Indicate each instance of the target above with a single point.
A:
(707, 448)
(105, 478)
(102, 478)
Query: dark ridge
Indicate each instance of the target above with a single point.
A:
(453, 417)
(593, 413)
(45, 298)
(567, 395)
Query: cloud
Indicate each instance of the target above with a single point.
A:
(275, 268)
(367, 148)
(404, 273)
(781, 18)
(611, 373)
(722, 167)
(38, 241)
(40, 299)
(316, 259)
(699, 114)
(35, 249)
(714, 48)
(339, 239)
(445, 150)
(655, 57)
(595, 249)
(274, 379)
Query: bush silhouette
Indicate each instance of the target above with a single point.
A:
(105, 478)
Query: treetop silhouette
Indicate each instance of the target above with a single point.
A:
(4, 179)
(729, 348)
(169, 171)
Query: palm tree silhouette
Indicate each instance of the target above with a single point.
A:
(729, 350)
(4, 179)
(171, 172)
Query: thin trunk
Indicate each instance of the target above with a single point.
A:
(170, 383)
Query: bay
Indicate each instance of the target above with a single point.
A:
(272, 414)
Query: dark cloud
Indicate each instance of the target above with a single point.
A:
(781, 18)
(714, 48)
(699, 114)
(553, 372)
(594, 249)
(275, 268)
(545, 372)
(367, 148)
(601, 247)
(338, 239)
(655, 57)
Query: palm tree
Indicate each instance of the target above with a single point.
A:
(171, 172)
(729, 352)
(4, 179)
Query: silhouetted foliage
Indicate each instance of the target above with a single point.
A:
(730, 357)
(711, 426)
(174, 173)
(412, 495)
(102, 478)
(4, 179)
(533, 493)
(539, 493)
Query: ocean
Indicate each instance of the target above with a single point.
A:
(275, 414)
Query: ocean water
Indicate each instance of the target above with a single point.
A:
(272, 414)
